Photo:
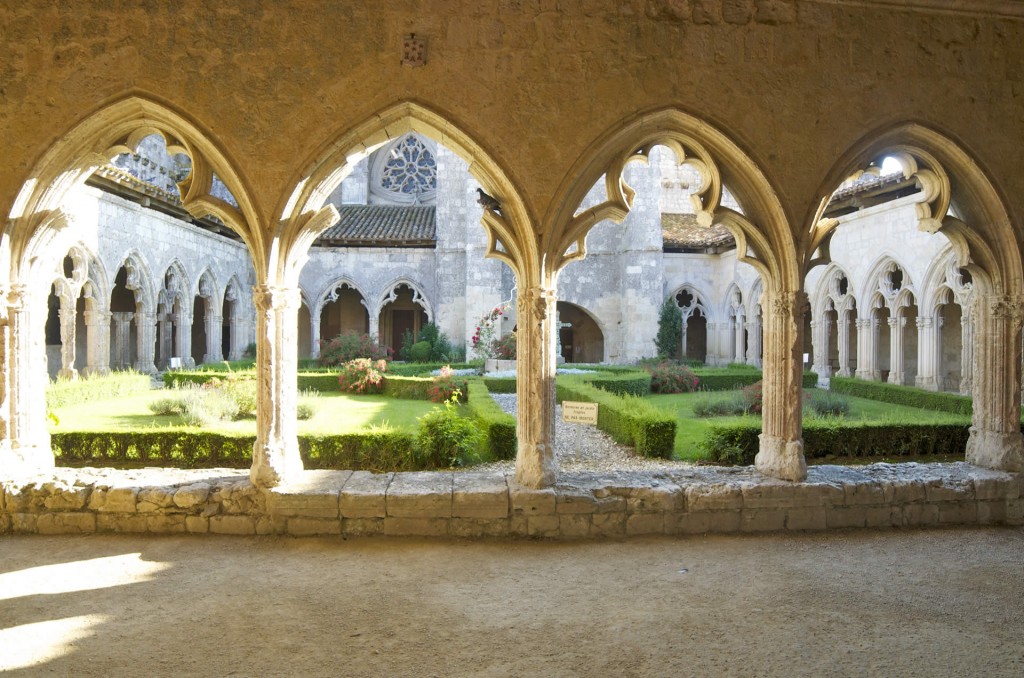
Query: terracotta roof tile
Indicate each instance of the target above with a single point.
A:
(681, 231)
(382, 225)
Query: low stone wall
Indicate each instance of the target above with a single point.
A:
(465, 504)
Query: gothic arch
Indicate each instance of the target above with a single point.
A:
(418, 296)
(952, 183)
(139, 280)
(763, 235)
(329, 293)
(699, 300)
(875, 280)
(39, 209)
(305, 213)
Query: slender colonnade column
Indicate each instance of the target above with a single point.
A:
(535, 387)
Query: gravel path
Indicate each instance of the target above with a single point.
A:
(582, 447)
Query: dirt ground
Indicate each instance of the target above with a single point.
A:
(897, 603)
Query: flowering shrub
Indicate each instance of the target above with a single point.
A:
(363, 375)
(483, 335)
(505, 348)
(350, 346)
(444, 386)
(670, 377)
(752, 398)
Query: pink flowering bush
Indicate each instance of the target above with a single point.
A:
(445, 387)
(670, 377)
(483, 335)
(363, 375)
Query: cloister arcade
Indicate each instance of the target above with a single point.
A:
(150, 325)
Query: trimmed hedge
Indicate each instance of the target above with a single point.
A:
(409, 388)
(632, 382)
(500, 384)
(738, 443)
(719, 379)
(65, 392)
(499, 428)
(627, 419)
(379, 451)
(902, 395)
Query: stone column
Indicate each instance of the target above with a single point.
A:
(843, 343)
(896, 326)
(314, 334)
(165, 328)
(29, 442)
(928, 337)
(535, 387)
(781, 453)
(145, 336)
(967, 348)
(275, 456)
(185, 339)
(819, 341)
(68, 316)
(995, 441)
(97, 352)
(375, 325)
(866, 351)
(754, 342)
(682, 354)
(214, 335)
(740, 345)
(122, 336)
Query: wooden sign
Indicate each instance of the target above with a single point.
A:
(579, 413)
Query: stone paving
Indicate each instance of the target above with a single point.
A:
(692, 500)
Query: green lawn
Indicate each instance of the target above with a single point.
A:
(690, 429)
(335, 413)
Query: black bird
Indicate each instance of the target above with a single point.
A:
(488, 202)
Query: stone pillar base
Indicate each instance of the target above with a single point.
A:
(68, 374)
(24, 461)
(536, 467)
(782, 459)
(274, 466)
(999, 451)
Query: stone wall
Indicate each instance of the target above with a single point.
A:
(467, 504)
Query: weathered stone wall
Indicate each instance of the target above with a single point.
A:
(360, 503)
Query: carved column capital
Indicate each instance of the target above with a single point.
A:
(270, 298)
(789, 304)
(537, 300)
(1007, 307)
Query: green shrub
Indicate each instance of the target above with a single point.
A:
(631, 382)
(168, 406)
(717, 406)
(445, 386)
(497, 427)
(902, 395)
(304, 411)
(205, 405)
(93, 387)
(500, 384)
(362, 375)
(671, 377)
(350, 346)
(420, 352)
(841, 438)
(669, 341)
(446, 439)
(505, 348)
(828, 404)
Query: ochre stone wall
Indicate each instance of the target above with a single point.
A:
(535, 82)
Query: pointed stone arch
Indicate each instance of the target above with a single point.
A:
(764, 239)
(174, 317)
(332, 293)
(305, 213)
(40, 221)
(205, 326)
(696, 316)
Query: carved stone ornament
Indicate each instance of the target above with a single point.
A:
(414, 51)
(269, 299)
(790, 304)
(1008, 308)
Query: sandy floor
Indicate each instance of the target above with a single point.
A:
(907, 603)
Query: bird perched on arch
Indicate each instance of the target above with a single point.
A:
(488, 202)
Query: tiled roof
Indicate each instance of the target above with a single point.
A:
(382, 225)
(681, 231)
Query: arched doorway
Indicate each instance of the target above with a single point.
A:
(580, 337)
